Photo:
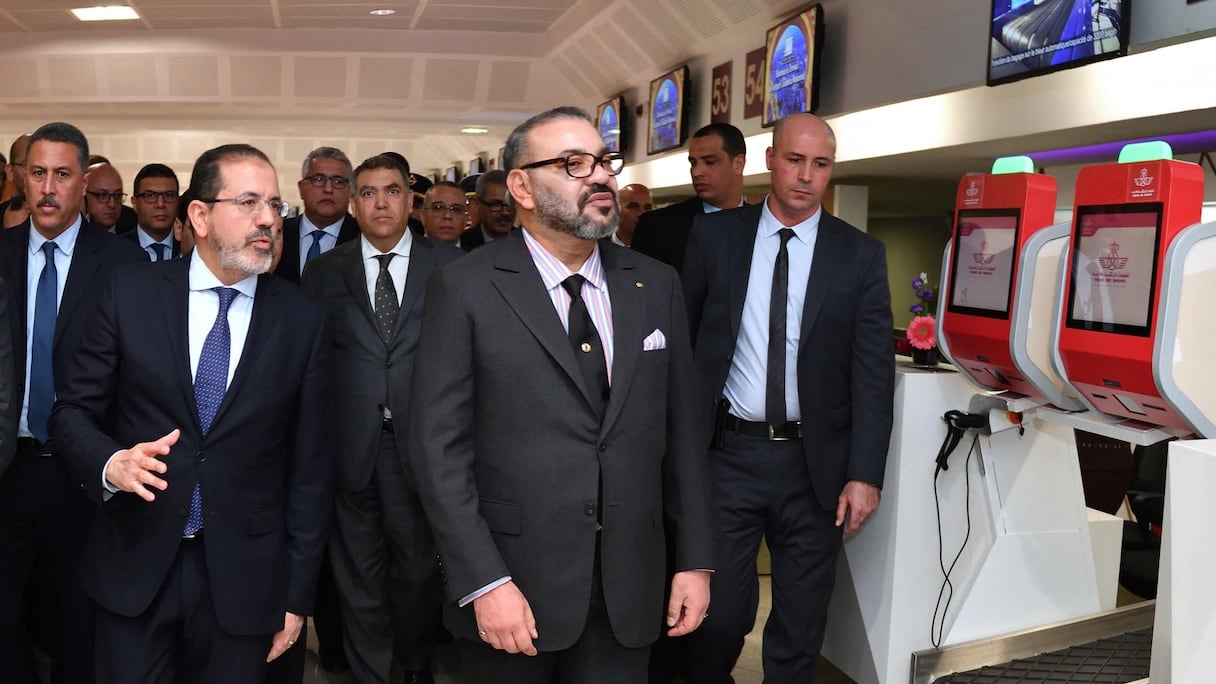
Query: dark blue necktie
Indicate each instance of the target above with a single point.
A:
(210, 384)
(42, 381)
(160, 251)
(314, 250)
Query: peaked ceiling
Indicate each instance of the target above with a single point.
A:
(289, 75)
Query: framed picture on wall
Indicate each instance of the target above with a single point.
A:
(668, 111)
(791, 75)
(611, 121)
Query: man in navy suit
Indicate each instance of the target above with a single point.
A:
(55, 263)
(324, 187)
(195, 415)
(8, 384)
(791, 323)
(155, 199)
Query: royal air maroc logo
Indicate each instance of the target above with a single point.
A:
(973, 189)
(1143, 180)
(983, 256)
(1112, 261)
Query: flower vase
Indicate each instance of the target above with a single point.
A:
(926, 358)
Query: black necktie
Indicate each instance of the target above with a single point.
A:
(774, 392)
(386, 302)
(588, 348)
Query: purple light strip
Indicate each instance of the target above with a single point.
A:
(1181, 143)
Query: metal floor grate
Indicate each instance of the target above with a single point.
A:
(1117, 660)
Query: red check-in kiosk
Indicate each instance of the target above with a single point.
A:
(995, 214)
(1125, 216)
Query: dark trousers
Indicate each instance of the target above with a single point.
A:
(763, 488)
(596, 658)
(44, 522)
(387, 575)
(326, 623)
(178, 638)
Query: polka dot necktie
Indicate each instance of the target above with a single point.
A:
(386, 303)
(210, 384)
(588, 348)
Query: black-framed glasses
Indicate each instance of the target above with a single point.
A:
(318, 180)
(150, 196)
(252, 204)
(496, 206)
(453, 209)
(583, 164)
(106, 197)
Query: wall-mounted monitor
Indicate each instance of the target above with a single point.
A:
(791, 74)
(502, 151)
(451, 174)
(1032, 37)
(1114, 267)
(983, 255)
(612, 122)
(477, 165)
(668, 111)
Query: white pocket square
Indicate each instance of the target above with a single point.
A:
(655, 340)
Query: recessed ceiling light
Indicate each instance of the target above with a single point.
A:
(107, 13)
(474, 130)
(382, 12)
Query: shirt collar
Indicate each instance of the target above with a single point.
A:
(770, 226)
(65, 241)
(145, 240)
(709, 208)
(402, 248)
(307, 227)
(553, 271)
(201, 278)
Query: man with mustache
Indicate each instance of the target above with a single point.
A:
(198, 422)
(325, 189)
(495, 214)
(553, 538)
(55, 263)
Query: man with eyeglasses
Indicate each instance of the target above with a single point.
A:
(16, 169)
(443, 213)
(496, 215)
(552, 536)
(202, 433)
(103, 196)
(155, 201)
(325, 190)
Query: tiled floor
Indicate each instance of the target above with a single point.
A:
(748, 670)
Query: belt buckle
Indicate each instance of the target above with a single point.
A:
(773, 436)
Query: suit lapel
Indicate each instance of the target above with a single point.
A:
(519, 283)
(85, 262)
(265, 318)
(824, 264)
(175, 305)
(741, 241)
(422, 262)
(625, 291)
(356, 281)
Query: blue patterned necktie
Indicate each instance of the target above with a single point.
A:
(210, 384)
(314, 250)
(42, 382)
(160, 251)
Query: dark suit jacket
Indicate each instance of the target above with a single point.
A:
(265, 467)
(133, 236)
(846, 371)
(289, 264)
(8, 383)
(472, 238)
(97, 255)
(663, 233)
(369, 373)
(509, 453)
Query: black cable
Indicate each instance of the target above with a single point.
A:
(936, 630)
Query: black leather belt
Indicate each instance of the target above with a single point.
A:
(387, 425)
(773, 433)
(28, 446)
(197, 536)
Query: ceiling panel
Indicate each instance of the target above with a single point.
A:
(194, 76)
(323, 77)
(130, 75)
(385, 78)
(72, 77)
(255, 76)
(450, 79)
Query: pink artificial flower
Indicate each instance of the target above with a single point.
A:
(922, 332)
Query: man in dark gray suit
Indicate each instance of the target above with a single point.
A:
(8, 384)
(552, 435)
(381, 549)
(791, 320)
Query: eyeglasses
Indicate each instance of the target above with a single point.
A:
(150, 196)
(496, 206)
(319, 180)
(107, 197)
(583, 164)
(252, 204)
(453, 209)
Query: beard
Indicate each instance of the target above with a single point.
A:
(554, 212)
(243, 257)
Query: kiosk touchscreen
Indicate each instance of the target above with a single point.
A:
(1125, 217)
(995, 215)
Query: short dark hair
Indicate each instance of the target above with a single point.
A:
(206, 181)
(60, 132)
(183, 207)
(325, 153)
(154, 171)
(517, 142)
(493, 177)
(383, 161)
(400, 159)
(732, 138)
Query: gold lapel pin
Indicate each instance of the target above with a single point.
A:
(638, 284)
(585, 347)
